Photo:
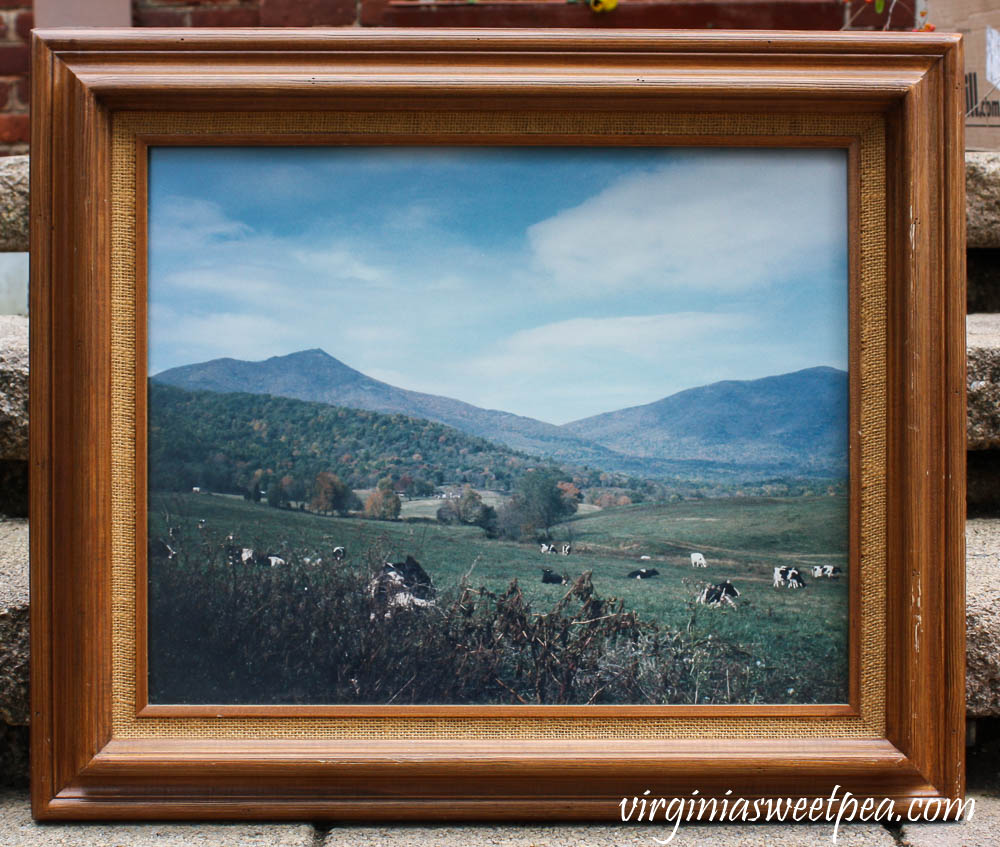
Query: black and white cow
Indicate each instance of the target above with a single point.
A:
(550, 577)
(790, 577)
(723, 593)
(828, 571)
(644, 573)
(545, 547)
(339, 553)
(402, 585)
(566, 549)
(272, 560)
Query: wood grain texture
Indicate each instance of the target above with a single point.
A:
(81, 77)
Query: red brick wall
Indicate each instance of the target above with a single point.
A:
(245, 12)
(15, 27)
(195, 12)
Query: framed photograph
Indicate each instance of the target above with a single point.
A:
(423, 417)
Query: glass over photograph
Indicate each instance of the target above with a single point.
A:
(483, 426)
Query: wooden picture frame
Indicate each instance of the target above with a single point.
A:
(894, 100)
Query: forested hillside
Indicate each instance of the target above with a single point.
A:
(230, 442)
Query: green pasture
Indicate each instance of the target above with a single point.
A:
(802, 631)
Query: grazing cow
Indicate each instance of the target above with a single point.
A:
(698, 560)
(547, 548)
(724, 593)
(566, 549)
(831, 571)
(402, 585)
(788, 576)
(644, 573)
(645, 558)
(550, 577)
(339, 553)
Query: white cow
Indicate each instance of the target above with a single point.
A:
(698, 560)
(788, 576)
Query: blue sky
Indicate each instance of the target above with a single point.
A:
(554, 283)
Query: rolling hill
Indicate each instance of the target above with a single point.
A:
(787, 425)
(218, 440)
(316, 376)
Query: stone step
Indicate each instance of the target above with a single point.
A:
(13, 414)
(17, 829)
(982, 199)
(14, 204)
(982, 617)
(13, 621)
(983, 380)
(599, 835)
(13, 388)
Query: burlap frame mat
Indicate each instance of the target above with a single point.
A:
(367, 127)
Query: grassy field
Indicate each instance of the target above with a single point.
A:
(796, 641)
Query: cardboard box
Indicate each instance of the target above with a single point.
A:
(979, 23)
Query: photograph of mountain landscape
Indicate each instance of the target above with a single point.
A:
(507, 426)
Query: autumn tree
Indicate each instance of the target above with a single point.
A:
(383, 503)
(330, 494)
(469, 509)
(540, 502)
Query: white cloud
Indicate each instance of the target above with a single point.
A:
(185, 223)
(645, 337)
(187, 337)
(337, 263)
(240, 283)
(721, 223)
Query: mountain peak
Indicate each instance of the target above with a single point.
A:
(312, 351)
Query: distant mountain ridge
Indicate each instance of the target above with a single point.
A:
(316, 376)
(798, 418)
(793, 424)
